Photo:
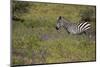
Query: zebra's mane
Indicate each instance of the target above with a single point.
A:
(66, 21)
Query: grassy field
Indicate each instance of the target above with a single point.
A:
(36, 41)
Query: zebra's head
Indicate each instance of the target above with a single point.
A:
(59, 23)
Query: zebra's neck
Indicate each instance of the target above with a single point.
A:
(65, 23)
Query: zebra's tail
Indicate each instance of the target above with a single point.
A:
(84, 26)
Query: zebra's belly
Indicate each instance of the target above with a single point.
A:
(73, 32)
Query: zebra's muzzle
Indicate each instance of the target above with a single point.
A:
(57, 28)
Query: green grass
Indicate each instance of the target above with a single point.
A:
(36, 40)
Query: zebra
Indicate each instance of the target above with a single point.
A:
(72, 28)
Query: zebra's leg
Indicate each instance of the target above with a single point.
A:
(85, 33)
(68, 32)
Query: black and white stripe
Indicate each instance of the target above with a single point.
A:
(72, 28)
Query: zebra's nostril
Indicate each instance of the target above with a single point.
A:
(57, 28)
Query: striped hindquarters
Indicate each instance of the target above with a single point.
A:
(83, 26)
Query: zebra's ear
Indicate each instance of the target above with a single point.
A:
(59, 17)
